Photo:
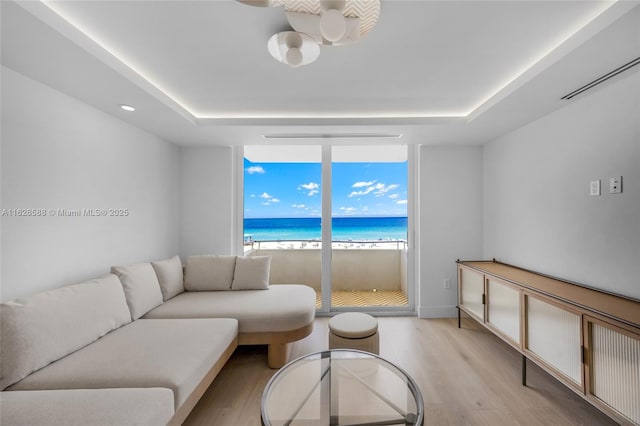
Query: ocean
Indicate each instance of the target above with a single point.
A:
(343, 229)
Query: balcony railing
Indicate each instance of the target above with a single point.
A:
(249, 244)
(364, 273)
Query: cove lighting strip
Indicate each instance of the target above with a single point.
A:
(334, 136)
(495, 93)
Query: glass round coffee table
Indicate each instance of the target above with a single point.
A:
(341, 387)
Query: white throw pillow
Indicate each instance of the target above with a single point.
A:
(252, 273)
(141, 287)
(209, 272)
(38, 330)
(170, 276)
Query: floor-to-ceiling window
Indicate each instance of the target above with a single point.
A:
(283, 211)
(334, 218)
(369, 197)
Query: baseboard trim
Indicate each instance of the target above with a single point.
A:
(437, 312)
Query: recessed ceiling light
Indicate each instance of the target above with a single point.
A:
(127, 107)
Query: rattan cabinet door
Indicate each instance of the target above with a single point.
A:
(471, 292)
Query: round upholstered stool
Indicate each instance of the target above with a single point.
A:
(354, 330)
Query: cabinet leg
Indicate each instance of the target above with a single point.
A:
(458, 316)
(524, 370)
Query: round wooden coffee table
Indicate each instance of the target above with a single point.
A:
(341, 387)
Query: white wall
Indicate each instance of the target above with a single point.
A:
(59, 153)
(537, 210)
(206, 201)
(450, 222)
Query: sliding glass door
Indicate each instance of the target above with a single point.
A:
(334, 218)
(369, 199)
(283, 212)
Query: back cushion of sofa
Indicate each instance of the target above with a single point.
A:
(170, 276)
(209, 272)
(37, 330)
(251, 273)
(141, 287)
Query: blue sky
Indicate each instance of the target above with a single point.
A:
(293, 189)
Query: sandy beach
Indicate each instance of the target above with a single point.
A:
(317, 245)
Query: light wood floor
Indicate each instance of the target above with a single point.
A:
(467, 377)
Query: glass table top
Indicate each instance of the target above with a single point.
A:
(341, 387)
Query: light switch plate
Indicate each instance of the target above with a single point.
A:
(615, 185)
(595, 187)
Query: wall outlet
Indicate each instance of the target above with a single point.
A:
(615, 185)
(446, 283)
(595, 187)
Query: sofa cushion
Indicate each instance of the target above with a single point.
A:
(170, 276)
(174, 354)
(283, 307)
(209, 272)
(40, 329)
(87, 407)
(141, 287)
(251, 273)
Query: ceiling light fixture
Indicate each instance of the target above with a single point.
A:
(333, 24)
(319, 22)
(127, 107)
(293, 48)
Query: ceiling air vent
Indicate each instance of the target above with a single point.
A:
(602, 79)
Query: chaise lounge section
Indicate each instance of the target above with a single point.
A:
(285, 306)
(234, 287)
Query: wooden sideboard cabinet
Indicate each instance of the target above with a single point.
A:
(586, 338)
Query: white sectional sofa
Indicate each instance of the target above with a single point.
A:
(135, 348)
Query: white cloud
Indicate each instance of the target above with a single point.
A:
(362, 192)
(401, 202)
(298, 206)
(310, 185)
(268, 199)
(253, 195)
(383, 189)
(379, 189)
(363, 184)
(394, 196)
(348, 210)
(255, 169)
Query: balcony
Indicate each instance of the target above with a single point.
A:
(363, 273)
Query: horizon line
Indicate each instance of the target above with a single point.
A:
(332, 217)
